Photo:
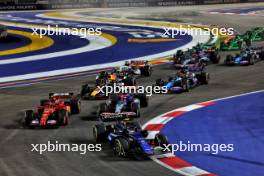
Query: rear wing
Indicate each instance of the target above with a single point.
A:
(109, 117)
(139, 62)
(61, 95)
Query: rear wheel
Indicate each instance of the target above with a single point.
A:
(102, 108)
(143, 100)
(186, 85)
(147, 71)
(29, 116)
(228, 59)
(99, 132)
(43, 102)
(130, 81)
(85, 90)
(135, 108)
(218, 59)
(160, 82)
(75, 106)
(204, 78)
(251, 60)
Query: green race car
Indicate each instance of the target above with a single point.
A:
(255, 34)
(233, 43)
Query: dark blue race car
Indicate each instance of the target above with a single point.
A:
(128, 139)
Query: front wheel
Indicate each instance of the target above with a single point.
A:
(63, 117)
(121, 147)
(186, 85)
(160, 140)
(135, 108)
(251, 61)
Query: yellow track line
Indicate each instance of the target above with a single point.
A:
(37, 43)
(150, 40)
(112, 38)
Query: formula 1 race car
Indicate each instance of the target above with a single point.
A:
(233, 43)
(95, 92)
(3, 31)
(140, 67)
(122, 105)
(207, 53)
(248, 56)
(127, 138)
(191, 65)
(53, 112)
(106, 78)
(125, 75)
(183, 81)
(195, 55)
(255, 34)
(119, 77)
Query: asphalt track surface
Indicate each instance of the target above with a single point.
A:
(17, 159)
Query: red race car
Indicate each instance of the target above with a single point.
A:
(53, 112)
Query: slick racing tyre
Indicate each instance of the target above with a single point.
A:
(186, 85)
(43, 102)
(130, 81)
(160, 140)
(63, 117)
(228, 59)
(75, 106)
(85, 90)
(121, 147)
(29, 116)
(160, 82)
(204, 78)
(102, 108)
(99, 132)
(146, 71)
(135, 108)
(143, 100)
(251, 60)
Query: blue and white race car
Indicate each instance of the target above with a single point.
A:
(248, 56)
(122, 105)
(128, 139)
(183, 81)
